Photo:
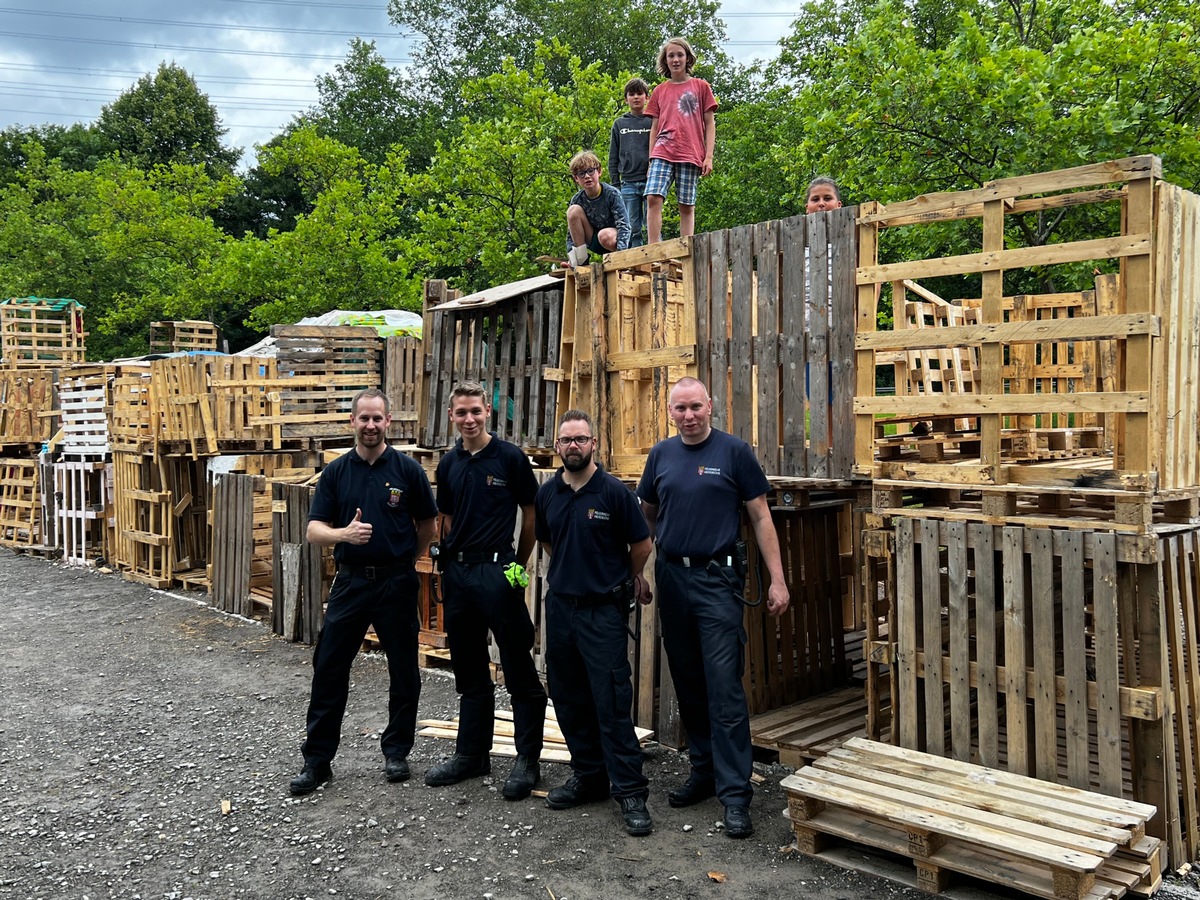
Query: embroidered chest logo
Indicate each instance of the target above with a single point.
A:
(496, 481)
(708, 470)
(598, 515)
(394, 496)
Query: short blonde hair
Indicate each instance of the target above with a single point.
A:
(584, 160)
(662, 56)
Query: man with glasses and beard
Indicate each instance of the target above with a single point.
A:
(598, 542)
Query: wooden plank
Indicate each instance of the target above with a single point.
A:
(793, 345)
(818, 360)
(767, 444)
(844, 259)
(949, 406)
(1132, 245)
(721, 386)
(1028, 332)
(1045, 657)
(931, 623)
(1075, 661)
(986, 592)
(1105, 655)
(960, 650)
(741, 247)
(904, 706)
(1015, 695)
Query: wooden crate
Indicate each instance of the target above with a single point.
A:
(1056, 653)
(1056, 842)
(85, 398)
(20, 503)
(1129, 369)
(184, 336)
(243, 394)
(161, 519)
(319, 370)
(36, 333)
(506, 339)
(85, 504)
(28, 408)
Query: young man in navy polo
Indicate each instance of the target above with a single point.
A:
(692, 491)
(481, 483)
(590, 525)
(375, 506)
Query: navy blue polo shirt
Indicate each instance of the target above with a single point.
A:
(589, 532)
(393, 493)
(482, 493)
(699, 490)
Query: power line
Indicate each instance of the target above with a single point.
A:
(117, 73)
(186, 49)
(212, 25)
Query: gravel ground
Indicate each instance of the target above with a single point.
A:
(146, 742)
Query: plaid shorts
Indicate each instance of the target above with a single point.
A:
(685, 175)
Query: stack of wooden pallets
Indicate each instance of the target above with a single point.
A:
(1048, 840)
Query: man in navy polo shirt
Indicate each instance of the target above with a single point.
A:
(692, 492)
(481, 483)
(590, 525)
(375, 506)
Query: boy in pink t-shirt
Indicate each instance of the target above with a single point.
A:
(681, 138)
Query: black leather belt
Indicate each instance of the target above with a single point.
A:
(375, 573)
(698, 562)
(475, 558)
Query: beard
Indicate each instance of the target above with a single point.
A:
(576, 462)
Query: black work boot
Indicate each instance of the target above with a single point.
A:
(737, 822)
(692, 791)
(637, 818)
(397, 769)
(311, 777)
(522, 779)
(458, 768)
(578, 791)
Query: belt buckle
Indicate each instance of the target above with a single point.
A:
(369, 573)
(687, 561)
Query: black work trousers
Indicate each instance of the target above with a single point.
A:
(477, 598)
(587, 664)
(356, 602)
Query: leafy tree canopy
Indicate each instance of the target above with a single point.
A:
(165, 119)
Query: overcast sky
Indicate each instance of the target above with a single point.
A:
(62, 60)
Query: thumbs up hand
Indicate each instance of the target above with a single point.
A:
(358, 531)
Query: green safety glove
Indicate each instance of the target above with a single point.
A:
(516, 575)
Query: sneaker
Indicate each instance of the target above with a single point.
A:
(311, 777)
(457, 768)
(637, 818)
(692, 791)
(578, 791)
(521, 780)
(578, 256)
(737, 822)
(397, 769)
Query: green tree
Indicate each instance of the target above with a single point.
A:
(165, 119)
(370, 106)
(494, 197)
(78, 147)
(346, 253)
(123, 242)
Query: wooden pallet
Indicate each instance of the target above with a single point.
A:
(84, 492)
(187, 335)
(554, 746)
(38, 333)
(808, 730)
(85, 399)
(1049, 840)
(20, 504)
(27, 407)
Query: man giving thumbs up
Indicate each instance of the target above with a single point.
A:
(385, 501)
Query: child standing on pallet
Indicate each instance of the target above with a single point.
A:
(681, 139)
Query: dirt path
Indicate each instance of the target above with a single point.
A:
(129, 716)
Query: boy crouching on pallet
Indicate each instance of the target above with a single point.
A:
(596, 217)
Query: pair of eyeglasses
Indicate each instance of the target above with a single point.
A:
(586, 172)
(579, 441)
